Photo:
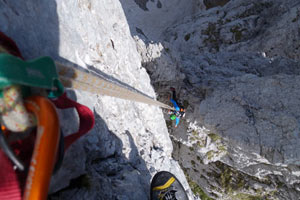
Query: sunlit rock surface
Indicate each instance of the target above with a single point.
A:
(130, 141)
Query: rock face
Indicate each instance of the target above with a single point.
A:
(234, 65)
(214, 3)
(130, 141)
(149, 18)
(236, 69)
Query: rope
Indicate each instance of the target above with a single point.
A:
(86, 81)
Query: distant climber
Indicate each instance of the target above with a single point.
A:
(179, 109)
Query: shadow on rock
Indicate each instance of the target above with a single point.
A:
(108, 173)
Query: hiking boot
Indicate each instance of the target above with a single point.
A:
(165, 186)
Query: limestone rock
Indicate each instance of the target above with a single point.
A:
(130, 141)
(241, 95)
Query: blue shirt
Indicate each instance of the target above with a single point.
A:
(177, 110)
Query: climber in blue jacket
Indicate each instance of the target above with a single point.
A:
(179, 110)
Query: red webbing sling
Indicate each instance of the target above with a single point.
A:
(9, 185)
(86, 118)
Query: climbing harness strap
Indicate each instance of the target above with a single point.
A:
(86, 118)
(7, 45)
(9, 184)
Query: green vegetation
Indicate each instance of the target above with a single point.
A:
(232, 183)
(228, 20)
(187, 37)
(193, 163)
(211, 29)
(210, 154)
(256, 9)
(238, 33)
(243, 196)
(200, 145)
(195, 170)
(232, 180)
(199, 141)
(186, 103)
(214, 137)
(226, 180)
(169, 123)
(197, 190)
(213, 34)
(195, 133)
(222, 148)
(296, 18)
(280, 185)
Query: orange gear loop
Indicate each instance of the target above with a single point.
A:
(45, 149)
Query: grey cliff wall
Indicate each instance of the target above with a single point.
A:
(236, 70)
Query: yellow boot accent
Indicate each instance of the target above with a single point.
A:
(166, 185)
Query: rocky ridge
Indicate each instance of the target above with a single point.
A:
(236, 69)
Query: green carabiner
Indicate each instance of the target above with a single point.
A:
(40, 73)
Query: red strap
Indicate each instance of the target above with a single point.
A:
(86, 118)
(9, 184)
(9, 45)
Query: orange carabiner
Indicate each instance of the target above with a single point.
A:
(45, 148)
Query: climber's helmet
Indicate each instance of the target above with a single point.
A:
(173, 117)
